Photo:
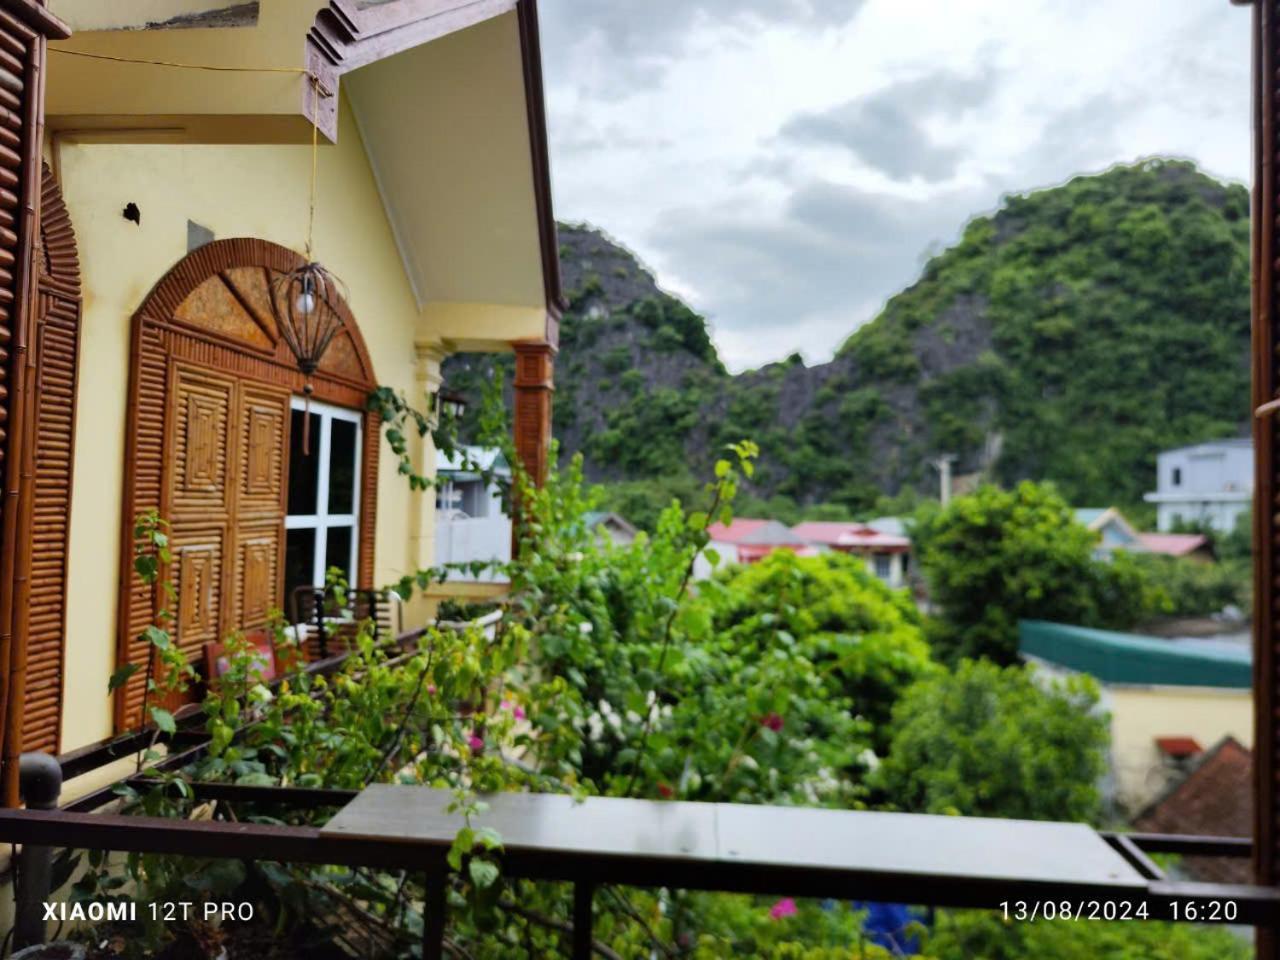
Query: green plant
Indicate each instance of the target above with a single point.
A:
(986, 741)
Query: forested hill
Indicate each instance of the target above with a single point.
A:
(1067, 337)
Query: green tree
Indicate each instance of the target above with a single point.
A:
(986, 741)
(998, 556)
(865, 638)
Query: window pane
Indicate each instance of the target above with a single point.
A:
(299, 564)
(342, 467)
(337, 552)
(303, 470)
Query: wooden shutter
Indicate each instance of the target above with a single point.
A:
(224, 498)
(57, 348)
(24, 27)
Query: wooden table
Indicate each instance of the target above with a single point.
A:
(955, 861)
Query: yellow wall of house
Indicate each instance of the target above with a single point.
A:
(252, 191)
(1141, 714)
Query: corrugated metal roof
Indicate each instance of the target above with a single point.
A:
(1128, 658)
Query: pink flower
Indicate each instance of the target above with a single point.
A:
(475, 743)
(772, 721)
(431, 689)
(786, 907)
(517, 711)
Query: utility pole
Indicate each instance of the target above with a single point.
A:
(943, 465)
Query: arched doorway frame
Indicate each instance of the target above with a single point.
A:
(178, 327)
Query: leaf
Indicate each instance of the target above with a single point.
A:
(164, 720)
(121, 676)
(483, 873)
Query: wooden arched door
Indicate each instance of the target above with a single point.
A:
(57, 347)
(212, 390)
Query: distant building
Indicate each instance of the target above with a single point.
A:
(471, 523)
(1115, 532)
(886, 553)
(748, 541)
(1214, 798)
(1164, 697)
(611, 525)
(1210, 483)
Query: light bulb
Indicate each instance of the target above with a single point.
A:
(305, 305)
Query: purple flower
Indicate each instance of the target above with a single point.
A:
(772, 721)
(476, 743)
(786, 907)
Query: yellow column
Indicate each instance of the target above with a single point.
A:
(421, 545)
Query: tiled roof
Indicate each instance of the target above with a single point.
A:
(1172, 544)
(1215, 799)
(758, 532)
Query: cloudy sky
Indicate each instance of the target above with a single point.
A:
(787, 165)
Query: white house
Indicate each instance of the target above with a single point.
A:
(471, 523)
(885, 548)
(1208, 483)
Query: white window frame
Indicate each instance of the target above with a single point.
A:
(322, 520)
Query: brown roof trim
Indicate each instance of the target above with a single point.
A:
(345, 37)
(531, 49)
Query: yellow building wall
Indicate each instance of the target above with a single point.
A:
(1140, 714)
(249, 191)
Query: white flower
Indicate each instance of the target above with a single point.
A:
(633, 718)
(575, 557)
(585, 628)
(605, 707)
(651, 698)
(869, 759)
(595, 727)
(749, 762)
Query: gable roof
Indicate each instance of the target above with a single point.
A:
(1214, 800)
(747, 531)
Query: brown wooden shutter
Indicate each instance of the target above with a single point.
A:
(224, 498)
(57, 347)
(24, 27)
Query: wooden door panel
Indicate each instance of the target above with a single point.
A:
(203, 410)
(258, 574)
(198, 560)
(264, 427)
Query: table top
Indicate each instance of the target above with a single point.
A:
(1014, 851)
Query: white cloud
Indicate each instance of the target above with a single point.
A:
(786, 163)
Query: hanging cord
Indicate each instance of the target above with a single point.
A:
(182, 66)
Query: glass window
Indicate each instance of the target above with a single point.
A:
(324, 491)
(882, 565)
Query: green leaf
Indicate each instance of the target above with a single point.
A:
(483, 873)
(163, 719)
(121, 677)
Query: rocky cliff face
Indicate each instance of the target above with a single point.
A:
(1068, 337)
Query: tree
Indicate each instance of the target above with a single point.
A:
(986, 741)
(865, 638)
(998, 556)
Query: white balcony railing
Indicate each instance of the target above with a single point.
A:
(464, 539)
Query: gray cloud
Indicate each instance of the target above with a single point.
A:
(886, 129)
(835, 252)
(640, 40)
